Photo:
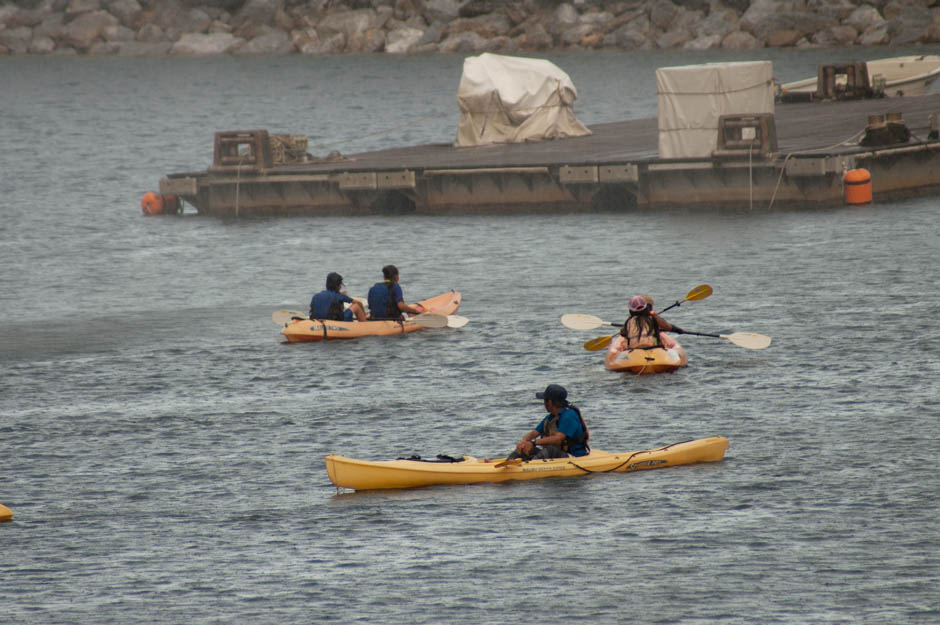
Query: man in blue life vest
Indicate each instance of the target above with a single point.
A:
(561, 433)
(328, 303)
(387, 300)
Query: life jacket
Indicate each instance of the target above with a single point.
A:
(336, 311)
(391, 306)
(640, 336)
(551, 427)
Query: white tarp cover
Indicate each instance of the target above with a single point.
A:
(692, 97)
(509, 99)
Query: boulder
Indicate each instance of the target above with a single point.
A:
(720, 22)
(41, 45)
(704, 42)
(463, 43)
(439, 10)
(352, 23)
(535, 37)
(401, 40)
(675, 38)
(372, 40)
(258, 12)
(50, 27)
(332, 43)
(7, 13)
(125, 10)
(804, 24)
(836, 9)
(762, 9)
(576, 35)
(150, 33)
(81, 32)
(118, 33)
(740, 40)
(835, 36)
(16, 40)
(273, 43)
(564, 17)
(143, 48)
(663, 14)
(875, 36)
(487, 26)
(77, 7)
(909, 35)
(864, 18)
(196, 44)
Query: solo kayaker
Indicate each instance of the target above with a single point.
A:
(642, 329)
(328, 303)
(562, 432)
(386, 298)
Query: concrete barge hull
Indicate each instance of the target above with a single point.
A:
(614, 169)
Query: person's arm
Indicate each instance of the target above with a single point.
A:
(558, 439)
(665, 326)
(526, 445)
(417, 309)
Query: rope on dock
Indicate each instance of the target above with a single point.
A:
(853, 139)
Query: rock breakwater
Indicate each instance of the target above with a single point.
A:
(278, 27)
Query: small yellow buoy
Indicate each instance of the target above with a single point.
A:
(151, 204)
(5, 513)
(857, 186)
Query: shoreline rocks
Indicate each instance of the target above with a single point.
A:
(280, 27)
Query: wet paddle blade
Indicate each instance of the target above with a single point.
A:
(578, 321)
(750, 340)
(599, 343)
(698, 293)
(507, 463)
(283, 317)
(430, 320)
(456, 321)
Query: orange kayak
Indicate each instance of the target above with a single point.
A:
(655, 360)
(307, 330)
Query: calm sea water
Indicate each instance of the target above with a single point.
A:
(162, 449)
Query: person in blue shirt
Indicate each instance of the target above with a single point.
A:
(386, 298)
(561, 433)
(328, 303)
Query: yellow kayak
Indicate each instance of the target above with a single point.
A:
(367, 474)
(654, 360)
(5, 513)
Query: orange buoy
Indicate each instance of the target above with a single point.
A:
(857, 186)
(151, 204)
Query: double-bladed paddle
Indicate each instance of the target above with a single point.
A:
(583, 322)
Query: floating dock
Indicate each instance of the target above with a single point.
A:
(796, 157)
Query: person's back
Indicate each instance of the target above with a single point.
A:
(641, 330)
(383, 300)
(328, 304)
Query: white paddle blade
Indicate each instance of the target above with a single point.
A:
(750, 340)
(430, 320)
(283, 317)
(578, 321)
(456, 321)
